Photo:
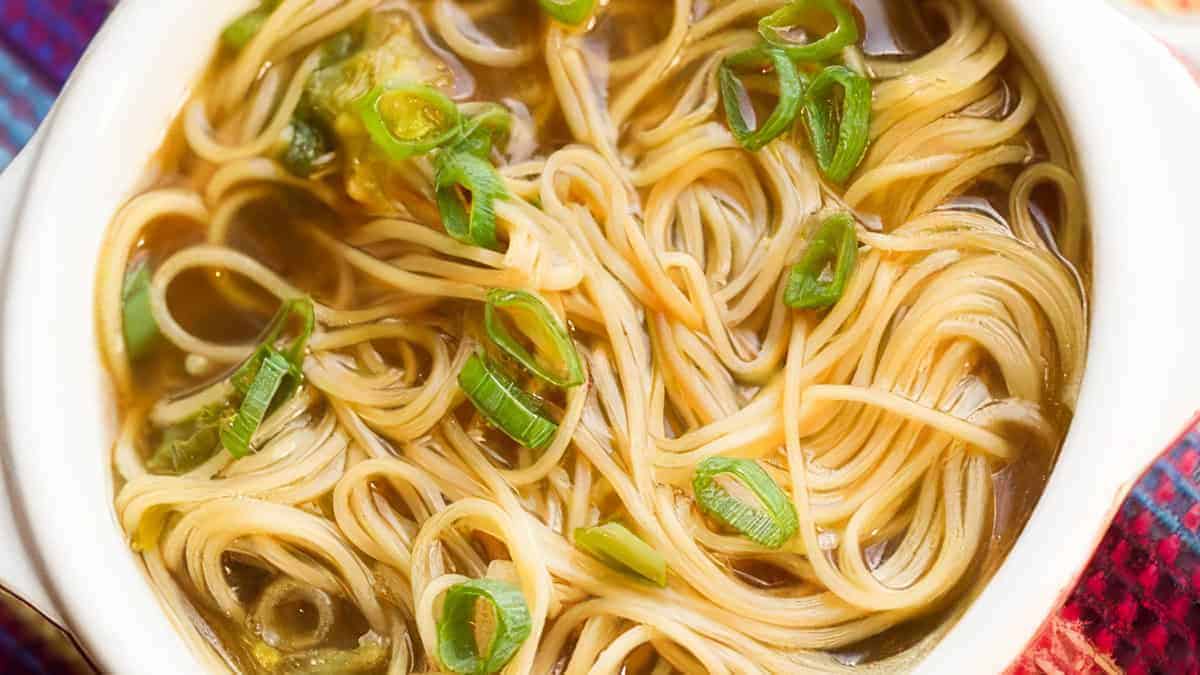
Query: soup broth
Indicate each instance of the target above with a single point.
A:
(481, 336)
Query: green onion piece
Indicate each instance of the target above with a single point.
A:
(241, 30)
(457, 649)
(504, 404)
(570, 12)
(818, 280)
(406, 120)
(827, 46)
(237, 434)
(839, 144)
(614, 545)
(307, 146)
(733, 93)
(556, 361)
(459, 172)
(771, 527)
(190, 443)
(137, 319)
(301, 308)
(483, 129)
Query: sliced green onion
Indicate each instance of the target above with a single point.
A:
(571, 12)
(137, 319)
(483, 129)
(407, 120)
(241, 30)
(307, 145)
(614, 545)
(301, 308)
(818, 280)
(557, 361)
(733, 93)
(191, 442)
(459, 172)
(457, 648)
(839, 144)
(828, 46)
(771, 527)
(237, 434)
(504, 404)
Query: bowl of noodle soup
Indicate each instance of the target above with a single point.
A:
(381, 336)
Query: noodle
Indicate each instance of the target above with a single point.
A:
(954, 353)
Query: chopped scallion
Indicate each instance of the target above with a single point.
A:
(556, 360)
(614, 545)
(736, 98)
(570, 12)
(504, 404)
(241, 30)
(407, 120)
(237, 434)
(770, 526)
(191, 442)
(819, 279)
(307, 144)
(465, 172)
(772, 27)
(457, 648)
(839, 141)
(137, 319)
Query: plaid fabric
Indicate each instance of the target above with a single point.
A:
(40, 41)
(1136, 607)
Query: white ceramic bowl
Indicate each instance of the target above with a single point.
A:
(1130, 111)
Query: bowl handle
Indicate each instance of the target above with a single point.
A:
(19, 572)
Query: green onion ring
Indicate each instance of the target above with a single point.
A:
(614, 545)
(476, 224)
(830, 45)
(455, 629)
(426, 107)
(504, 404)
(791, 94)
(551, 328)
(838, 144)
(771, 527)
(835, 244)
(570, 12)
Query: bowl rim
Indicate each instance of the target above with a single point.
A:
(54, 389)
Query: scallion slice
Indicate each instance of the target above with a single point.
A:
(556, 360)
(300, 308)
(771, 527)
(137, 319)
(465, 172)
(237, 434)
(570, 12)
(504, 404)
(490, 123)
(736, 99)
(614, 545)
(457, 649)
(406, 120)
(828, 46)
(191, 442)
(819, 279)
(839, 141)
(241, 30)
